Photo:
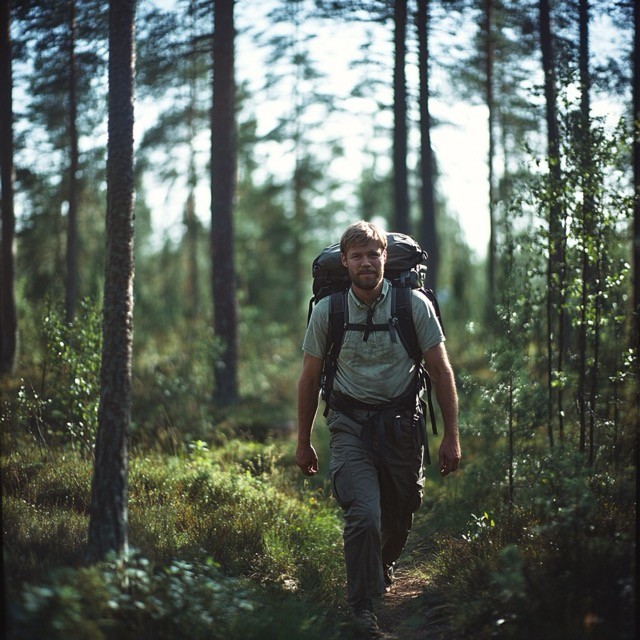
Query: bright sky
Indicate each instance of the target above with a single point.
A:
(460, 144)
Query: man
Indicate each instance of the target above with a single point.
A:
(374, 419)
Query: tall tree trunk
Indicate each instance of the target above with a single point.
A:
(108, 513)
(400, 178)
(190, 220)
(71, 289)
(299, 217)
(8, 320)
(223, 178)
(191, 241)
(489, 79)
(428, 227)
(635, 337)
(298, 182)
(588, 284)
(557, 235)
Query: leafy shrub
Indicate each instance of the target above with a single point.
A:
(62, 405)
(554, 564)
(235, 512)
(135, 599)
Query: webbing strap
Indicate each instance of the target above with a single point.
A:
(366, 328)
(400, 324)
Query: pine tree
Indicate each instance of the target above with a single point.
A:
(8, 319)
(556, 264)
(108, 510)
(428, 229)
(223, 181)
(64, 39)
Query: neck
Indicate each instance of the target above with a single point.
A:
(368, 296)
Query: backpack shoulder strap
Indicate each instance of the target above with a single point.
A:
(402, 319)
(431, 296)
(338, 320)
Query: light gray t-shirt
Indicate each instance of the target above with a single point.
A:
(378, 369)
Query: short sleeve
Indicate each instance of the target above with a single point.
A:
(426, 322)
(315, 338)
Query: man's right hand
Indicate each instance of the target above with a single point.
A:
(307, 459)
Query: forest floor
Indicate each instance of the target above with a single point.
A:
(408, 612)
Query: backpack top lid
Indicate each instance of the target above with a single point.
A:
(404, 254)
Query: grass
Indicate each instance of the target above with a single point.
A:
(218, 508)
(556, 562)
(240, 521)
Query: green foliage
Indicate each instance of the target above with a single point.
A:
(172, 389)
(62, 403)
(479, 525)
(135, 598)
(570, 532)
(248, 525)
(234, 504)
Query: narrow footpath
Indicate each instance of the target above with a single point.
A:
(405, 613)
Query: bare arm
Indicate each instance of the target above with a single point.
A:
(308, 390)
(441, 373)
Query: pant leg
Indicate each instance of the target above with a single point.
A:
(401, 486)
(355, 485)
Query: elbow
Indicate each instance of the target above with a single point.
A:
(308, 385)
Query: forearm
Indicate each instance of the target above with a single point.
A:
(444, 386)
(449, 454)
(447, 397)
(308, 391)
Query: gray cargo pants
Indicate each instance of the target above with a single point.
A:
(376, 477)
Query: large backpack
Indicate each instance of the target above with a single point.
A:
(405, 270)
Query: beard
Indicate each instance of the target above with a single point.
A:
(366, 280)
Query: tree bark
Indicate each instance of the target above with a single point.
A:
(71, 289)
(557, 235)
(191, 222)
(400, 178)
(636, 174)
(428, 226)
(223, 181)
(8, 318)
(108, 512)
(635, 338)
(489, 97)
(586, 401)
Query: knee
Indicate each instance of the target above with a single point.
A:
(363, 519)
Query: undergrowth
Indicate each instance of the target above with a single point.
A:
(205, 508)
(557, 562)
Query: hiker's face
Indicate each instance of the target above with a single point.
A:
(365, 264)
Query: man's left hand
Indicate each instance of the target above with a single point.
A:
(450, 455)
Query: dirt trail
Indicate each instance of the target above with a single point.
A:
(405, 612)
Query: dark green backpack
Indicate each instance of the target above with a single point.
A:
(405, 270)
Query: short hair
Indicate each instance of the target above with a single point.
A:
(360, 233)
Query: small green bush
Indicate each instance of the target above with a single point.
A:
(557, 563)
(137, 599)
(237, 514)
(60, 403)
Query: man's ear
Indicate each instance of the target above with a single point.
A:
(343, 259)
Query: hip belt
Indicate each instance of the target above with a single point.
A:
(383, 419)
